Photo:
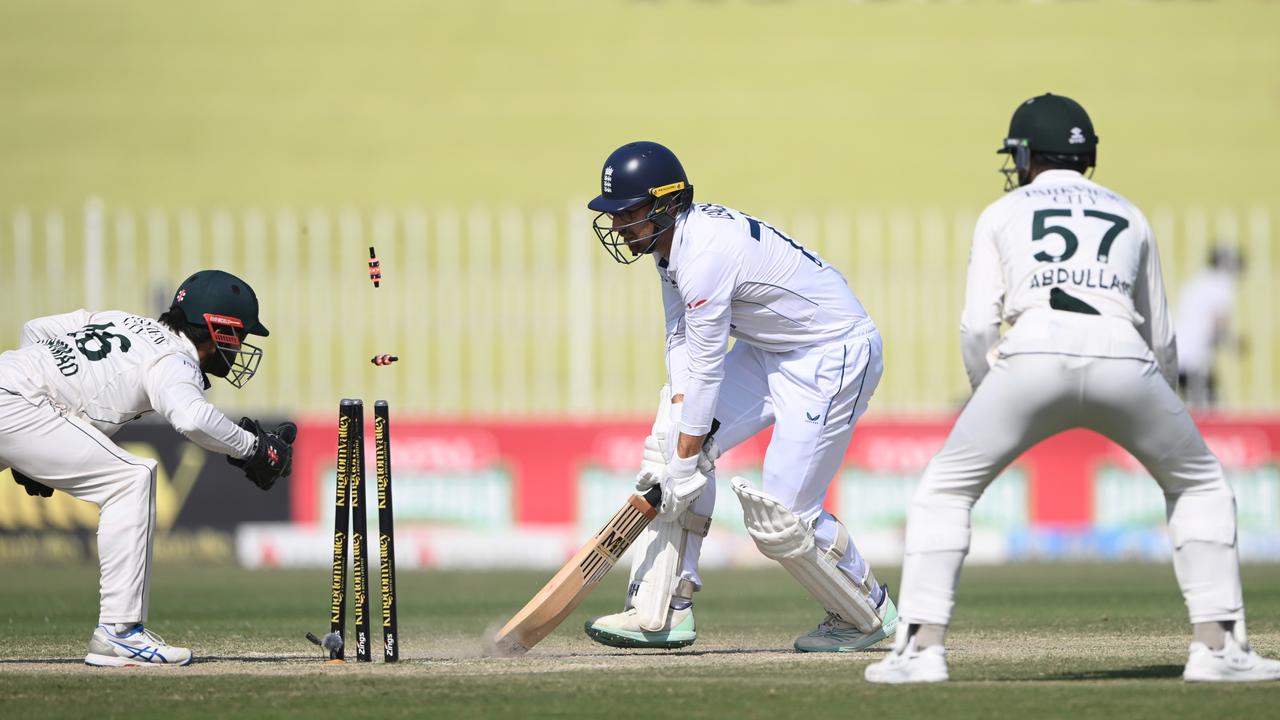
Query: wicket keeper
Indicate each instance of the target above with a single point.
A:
(77, 378)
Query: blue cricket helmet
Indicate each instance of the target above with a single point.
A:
(635, 174)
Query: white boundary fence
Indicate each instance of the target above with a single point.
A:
(517, 312)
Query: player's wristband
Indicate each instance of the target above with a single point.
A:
(682, 467)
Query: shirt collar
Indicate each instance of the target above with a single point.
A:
(677, 239)
(189, 348)
(1057, 175)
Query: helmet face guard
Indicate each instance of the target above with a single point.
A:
(669, 201)
(1018, 152)
(239, 359)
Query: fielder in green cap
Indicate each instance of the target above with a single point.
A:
(77, 378)
(1073, 268)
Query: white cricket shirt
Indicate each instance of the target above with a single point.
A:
(731, 274)
(112, 367)
(1064, 235)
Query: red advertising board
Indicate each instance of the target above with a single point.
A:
(528, 474)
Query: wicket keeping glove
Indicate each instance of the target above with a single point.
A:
(272, 456)
(32, 487)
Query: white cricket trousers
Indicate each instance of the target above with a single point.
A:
(1027, 398)
(813, 397)
(69, 454)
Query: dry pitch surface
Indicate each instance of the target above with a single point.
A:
(1029, 641)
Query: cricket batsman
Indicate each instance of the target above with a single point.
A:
(1073, 268)
(806, 361)
(77, 378)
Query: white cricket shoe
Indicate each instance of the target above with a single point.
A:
(910, 665)
(835, 635)
(136, 647)
(623, 630)
(1233, 663)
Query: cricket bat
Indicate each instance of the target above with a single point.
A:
(571, 585)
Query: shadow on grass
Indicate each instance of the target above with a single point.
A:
(1145, 672)
(712, 652)
(256, 658)
(199, 659)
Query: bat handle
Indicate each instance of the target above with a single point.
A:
(654, 496)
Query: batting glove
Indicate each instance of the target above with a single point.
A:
(653, 464)
(683, 483)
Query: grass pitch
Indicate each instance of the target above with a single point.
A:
(1028, 641)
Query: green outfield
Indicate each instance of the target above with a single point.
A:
(1028, 641)
(793, 105)
(279, 138)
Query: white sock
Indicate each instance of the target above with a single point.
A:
(928, 635)
(122, 628)
(1212, 634)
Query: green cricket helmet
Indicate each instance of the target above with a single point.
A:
(1053, 125)
(227, 307)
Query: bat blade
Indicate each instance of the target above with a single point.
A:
(579, 576)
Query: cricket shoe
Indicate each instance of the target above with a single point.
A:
(910, 665)
(622, 630)
(1233, 663)
(135, 647)
(835, 635)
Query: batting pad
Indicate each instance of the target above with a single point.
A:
(781, 536)
(655, 568)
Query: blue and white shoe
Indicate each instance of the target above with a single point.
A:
(135, 647)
